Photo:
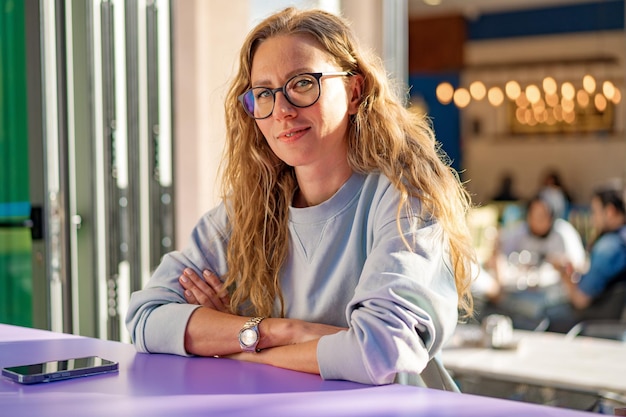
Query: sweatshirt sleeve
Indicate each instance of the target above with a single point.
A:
(403, 310)
(158, 314)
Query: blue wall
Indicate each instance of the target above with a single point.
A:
(587, 17)
(445, 118)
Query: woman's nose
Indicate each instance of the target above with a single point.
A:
(282, 107)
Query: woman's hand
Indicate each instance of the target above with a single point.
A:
(208, 292)
(299, 357)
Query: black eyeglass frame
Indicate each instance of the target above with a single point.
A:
(283, 89)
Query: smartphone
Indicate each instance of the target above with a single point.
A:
(59, 370)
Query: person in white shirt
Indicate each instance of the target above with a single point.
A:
(546, 236)
(523, 264)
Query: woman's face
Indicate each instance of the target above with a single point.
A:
(311, 138)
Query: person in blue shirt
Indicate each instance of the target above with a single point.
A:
(607, 260)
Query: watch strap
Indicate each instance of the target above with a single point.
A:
(253, 321)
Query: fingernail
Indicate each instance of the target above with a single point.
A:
(184, 278)
(188, 293)
(188, 271)
(206, 273)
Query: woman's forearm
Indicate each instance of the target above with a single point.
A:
(213, 333)
(297, 357)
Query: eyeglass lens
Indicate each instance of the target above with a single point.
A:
(301, 91)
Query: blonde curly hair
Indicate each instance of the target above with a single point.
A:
(383, 137)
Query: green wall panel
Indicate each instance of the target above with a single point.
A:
(15, 243)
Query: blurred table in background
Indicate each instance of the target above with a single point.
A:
(550, 368)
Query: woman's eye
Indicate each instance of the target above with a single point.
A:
(302, 84)
(263, 94)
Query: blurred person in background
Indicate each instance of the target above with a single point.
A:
(523, 260)
(553, 190)
(546, 236)
(507, 201)
(506, 189)
(599, 292)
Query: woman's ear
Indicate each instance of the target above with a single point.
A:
(355, 93)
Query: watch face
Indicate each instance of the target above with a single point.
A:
(248, 337)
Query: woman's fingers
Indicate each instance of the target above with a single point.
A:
(206, 293)
(218, 286)
(196, 289)
(191, 299)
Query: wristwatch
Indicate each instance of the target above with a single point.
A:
(249, 334)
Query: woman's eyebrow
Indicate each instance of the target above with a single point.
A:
(267, 82)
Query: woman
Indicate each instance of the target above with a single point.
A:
(340, 247)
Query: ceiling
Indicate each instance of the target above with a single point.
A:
(474, 8)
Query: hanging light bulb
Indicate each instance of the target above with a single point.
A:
(569, 117)
(512, 89)
(589, 83)
(532, 93)
(567, 104)
(552, 99)
(520, 114)
(444, 92)
(522, 100)
(617, 96)
(539, 106)
(543, 116)
(549, 85)
(495, 96)
(478, 90)
(568, 91)
(600, 102)
(582, 98)
(608, 89)
(528, 116)
(462, 97)
(558, 112)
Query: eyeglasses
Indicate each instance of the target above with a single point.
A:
(302, 90)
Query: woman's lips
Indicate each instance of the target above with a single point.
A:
(292, 134)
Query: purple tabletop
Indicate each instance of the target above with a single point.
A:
(166, 385)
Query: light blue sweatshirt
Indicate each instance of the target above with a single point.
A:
(347, 266)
